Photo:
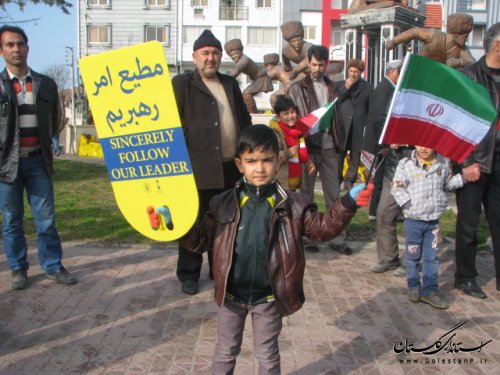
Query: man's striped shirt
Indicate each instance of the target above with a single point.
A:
(29, 135)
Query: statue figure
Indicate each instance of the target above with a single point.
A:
(296, 49)
(277, 72)
(244, 64)
(448, 48)
(360, 5)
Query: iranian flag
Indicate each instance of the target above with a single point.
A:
(320, 119)
(438, 107)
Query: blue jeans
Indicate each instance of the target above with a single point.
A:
(422, 243)
(33, 177)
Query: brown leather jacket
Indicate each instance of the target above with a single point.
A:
(303, 95)
(294, 216)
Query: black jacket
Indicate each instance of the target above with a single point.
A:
(200, 120)
(484, 152)
(353, 105)
(379, 103)
(48, 115)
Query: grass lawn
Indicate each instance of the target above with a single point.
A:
(86, 210)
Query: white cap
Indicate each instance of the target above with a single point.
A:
(393, 64)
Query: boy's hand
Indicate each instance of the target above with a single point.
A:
(361, 195)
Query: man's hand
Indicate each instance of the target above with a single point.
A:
(349, 82)
(391, 44)
(472, 172)
(311, 168)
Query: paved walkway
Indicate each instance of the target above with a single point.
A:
(127, 315)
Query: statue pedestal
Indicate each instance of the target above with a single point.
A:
(368, 31)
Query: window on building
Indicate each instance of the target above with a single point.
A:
(337, 38)
(99, 3)
(264, 3)
(476, 36)
(261, 35)
(99, 34)
(191, 33)
(340, 4)
(470, 5)
(158, 3)
(159, 33)
(309, 32)
(233, 32)
(199, 3)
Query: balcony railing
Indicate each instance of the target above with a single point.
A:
(233, 13)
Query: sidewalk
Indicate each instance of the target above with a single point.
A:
(127, 316)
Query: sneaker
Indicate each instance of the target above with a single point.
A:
(62, 276)
(383, 267)
(372, 218)
(189, 287)
(414, 295)
(343, 249)
(435, 300)
(400, 272)
(19, 279)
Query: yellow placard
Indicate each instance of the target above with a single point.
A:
(140, 132)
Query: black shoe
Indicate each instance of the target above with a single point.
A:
(19, 279)
(312, 248)
(343, 249)
(62, 276)
(470, 288)
(189, 287)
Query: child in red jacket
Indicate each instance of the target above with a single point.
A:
(293, 132)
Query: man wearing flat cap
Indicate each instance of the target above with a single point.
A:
(354, 96)
(386, 210)
(212, 113)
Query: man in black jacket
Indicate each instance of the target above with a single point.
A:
(212, 113)
(29, 117)
(354, 95)
(483, 165)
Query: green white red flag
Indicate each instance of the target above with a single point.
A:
(438, 107)
(319, 119)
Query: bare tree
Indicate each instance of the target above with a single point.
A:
(61, 4)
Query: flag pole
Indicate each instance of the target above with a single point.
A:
(372, 166)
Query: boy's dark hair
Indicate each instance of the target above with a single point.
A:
(13, 29)
(284, 104)
(257, 137)
(319, 52)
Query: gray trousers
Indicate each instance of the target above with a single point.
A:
(387, 238)
(327, 164)
(266, 324)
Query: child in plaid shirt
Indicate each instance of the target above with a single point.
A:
(419, 186)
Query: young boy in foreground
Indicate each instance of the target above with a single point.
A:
(256, 232)
(419, 186)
